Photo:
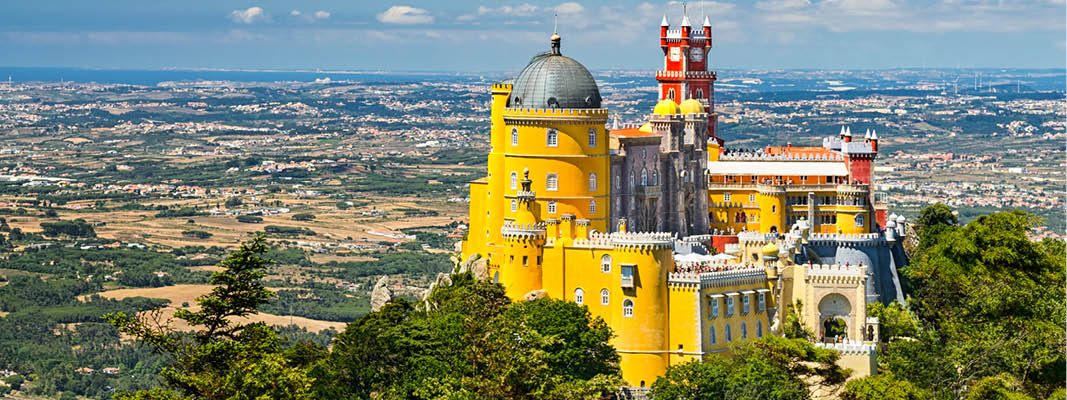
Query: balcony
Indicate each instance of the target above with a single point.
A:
(647, 191)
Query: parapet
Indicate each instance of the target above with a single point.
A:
(627, 240)
(850, 348)
(511, 230)
(741, 276)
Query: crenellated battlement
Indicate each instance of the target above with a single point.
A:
(512, 230)
(850, 348)
(730, 277)
(760, 156)
(555, 114)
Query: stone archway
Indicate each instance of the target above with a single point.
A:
(835, 316)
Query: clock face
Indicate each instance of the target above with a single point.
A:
(697, 54)
(676, 53)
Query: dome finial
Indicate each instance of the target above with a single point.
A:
(555, 34)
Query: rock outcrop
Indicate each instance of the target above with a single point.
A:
(381, 294)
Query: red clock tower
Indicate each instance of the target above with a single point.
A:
(685, 72)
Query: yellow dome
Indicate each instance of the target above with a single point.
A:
(666, 107)
(647, 127)
(770, 250)
(691, 106)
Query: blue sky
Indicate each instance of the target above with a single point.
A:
(464, 35)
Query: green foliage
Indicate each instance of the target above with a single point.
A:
(766, 368)
(883, 387)
(415, 263)
(222, 358)
(991, 303)
(180, 213)
(999, 387)
(233, 202)
(470, 341)
(197, 234)
(932, 222)
(287, 230)
(893, 320)
(75, 228)
(249, 219)
(303, 217)
(323, 304)
(792, 327)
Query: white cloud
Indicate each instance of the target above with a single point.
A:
(295, 13)
(776, 5)
(251, 15)
(569, 8)
(322, 14)
(405, 15)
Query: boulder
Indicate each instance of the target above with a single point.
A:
(381, 294)
(534, 295)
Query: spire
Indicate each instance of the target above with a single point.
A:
(848, 131)
(707, 22)
(842, 130)
(685, 16)
(874, 134)
(868, 134)
(664, 23)
(555, 35)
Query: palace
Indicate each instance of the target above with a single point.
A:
(681, 244)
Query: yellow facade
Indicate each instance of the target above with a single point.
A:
(759, 208)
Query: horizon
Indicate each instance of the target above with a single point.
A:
(467, 36)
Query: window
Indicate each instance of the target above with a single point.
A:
(762, 302)
(726, 197)
(729, 306)
(514, 136)
(670, 94)
(552, 138)
(774, 209)
(627, 276)
(514, 180)
(592, 137)
(514, 205)
(605, 297)
(552, 182)
(752, 198)
(759, 329)
(592, 206)
(551, 206)
(627, 308)
(745, 302)
(700, 93)
(644, 154)
(859, 220)
(525, 260)
(644, 176)
(729, 337)
(618, 181)
(633, 179)
(712, 336)
(714, 307)
(655, 177)
(579, 295)
(592, 181)
(744, 331)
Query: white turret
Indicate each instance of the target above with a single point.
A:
(664, 23)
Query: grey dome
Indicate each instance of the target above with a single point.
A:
(552, 80)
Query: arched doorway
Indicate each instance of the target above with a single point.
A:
(835, 316)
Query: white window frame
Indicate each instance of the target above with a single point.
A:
(514, 205)
(726, 197)
(592, 137)
(551, 207)
(514, 136)
(552, 137)
(605, 263)
(593, 184)
(714, 307)
(746, 304)
(552, 182)
(752, 198)
(729, 306)
(627, 308)
(761, 301)
(644, 176)
(579, 296)
(514, 180)
(859, 220)
(592, 206)
(605, 297)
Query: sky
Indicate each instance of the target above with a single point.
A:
(480, 35)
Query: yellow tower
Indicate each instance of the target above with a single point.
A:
(772, 210)
(524, 239)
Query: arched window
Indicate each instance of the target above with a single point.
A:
(712, 335)
(759, 329)
(700, 93)
(605, 297)
(655, 177)
(514, 136)
(514, 180)
(579, 295)
(552, 138)
(744, 331)
(644, 176)
(605, 263)
(670, 94)
(592, 206)
(627, 308)
(729, 337)
(592, 181)
(551, 182)
(592, 137)
(859, 220)
(618, 181)
(633, 179)
(514, 205)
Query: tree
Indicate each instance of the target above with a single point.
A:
(233, 202)
(883, 387)
(303, 217)
(223, 359)
(991, 301)
(249, 219)
(932, 222)
(893, 320)
(768, 368)
(467, 340)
